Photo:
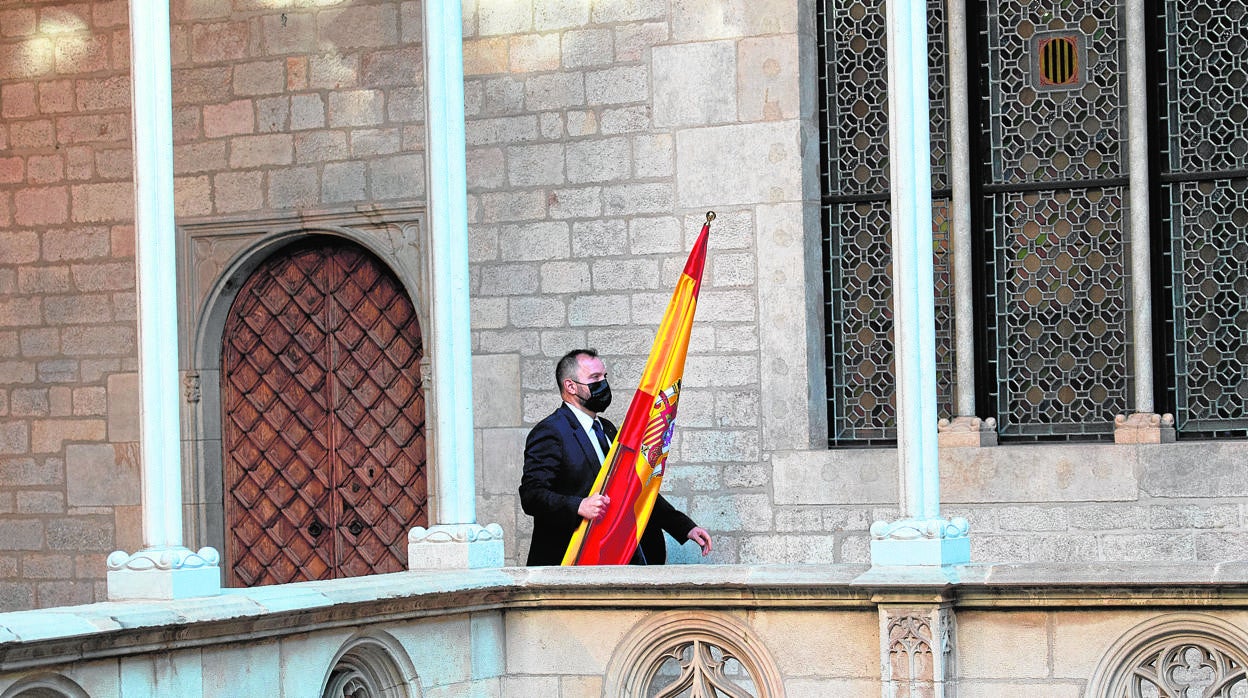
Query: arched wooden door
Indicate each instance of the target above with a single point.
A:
(323, 424)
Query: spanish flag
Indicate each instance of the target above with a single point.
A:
(633, 469)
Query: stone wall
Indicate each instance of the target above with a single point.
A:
(599, 134)
(275, 110)
(68, 392)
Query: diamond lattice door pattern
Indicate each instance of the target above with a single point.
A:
(324, 419)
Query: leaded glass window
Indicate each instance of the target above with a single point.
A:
(1056, 310)
(1203, 120)
(857, 241)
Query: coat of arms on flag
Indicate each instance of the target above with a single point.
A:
(656, 441)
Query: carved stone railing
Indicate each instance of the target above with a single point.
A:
(1122, 630)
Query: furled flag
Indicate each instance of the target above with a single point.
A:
(633, 469)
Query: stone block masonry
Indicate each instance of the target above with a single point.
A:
(274, 109)
(597, 139)
(65, 216)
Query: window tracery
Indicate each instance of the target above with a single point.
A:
(681, 654)
(1176, 656)
(369, 667)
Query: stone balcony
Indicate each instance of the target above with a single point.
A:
(804, 630)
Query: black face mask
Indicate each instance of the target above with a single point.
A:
(599, 396)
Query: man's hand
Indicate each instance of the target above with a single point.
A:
(699, 535)
(594, 506)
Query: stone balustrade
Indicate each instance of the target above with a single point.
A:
(777, 630)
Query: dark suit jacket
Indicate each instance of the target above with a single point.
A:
(559, 469)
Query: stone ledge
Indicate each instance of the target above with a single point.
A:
(111, 629)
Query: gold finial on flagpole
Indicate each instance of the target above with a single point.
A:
(710, 216)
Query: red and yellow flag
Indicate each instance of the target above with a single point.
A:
(633, 469)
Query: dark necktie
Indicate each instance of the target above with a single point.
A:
(602, 438)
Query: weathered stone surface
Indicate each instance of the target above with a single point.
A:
(50, 435)
(1082, 638)
(496, 397)
(1192, 469)
(22, 534)
(102, 474)
(600, 160)
(533, 165)
(397, 177)
(565, 277)
(764, 167)
(361, 26)
(787, 549)
(735, 512)
(582, 646)
(246, 670)
(860, 476)
(513, 206)
(617, 85)
(502, 458)
(1025, 473)
(695, 84)
(85, 533)
(700, 20)
(531, 53)
(534, 241)
(1003, 645)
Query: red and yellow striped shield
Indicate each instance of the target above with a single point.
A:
(633, 469)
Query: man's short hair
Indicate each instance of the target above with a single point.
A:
(566, 368)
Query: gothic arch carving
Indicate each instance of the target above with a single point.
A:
(679, 653)
(371, 665)
(45, 686)
(1179, 655)
(215, 257)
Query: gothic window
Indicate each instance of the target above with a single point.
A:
(1175, 656)
(368, 667)
(679, 654)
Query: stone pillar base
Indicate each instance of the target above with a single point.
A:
(163, 573)
(966, 431)
(916, 650)
(1144, 428)
(455, 546)
(920, 542)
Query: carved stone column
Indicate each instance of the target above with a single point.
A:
(164, 569)
(922, 537)
(916, 650)
(456, 539)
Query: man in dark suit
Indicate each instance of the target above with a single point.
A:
(561, 459)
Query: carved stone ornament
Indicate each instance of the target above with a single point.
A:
(918, 649)
(45, 686)
(190, 386)
(683, 653)
(1181, 655)
(172, 558)
(371, 666)
(455, 534)
(914, 529)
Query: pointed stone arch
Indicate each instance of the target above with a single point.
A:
(670, 652)
(1173, 654)
(216, 257)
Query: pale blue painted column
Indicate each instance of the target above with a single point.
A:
(455, 539)
(921, 537)
(164, 569)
